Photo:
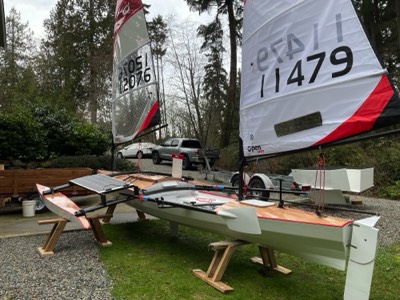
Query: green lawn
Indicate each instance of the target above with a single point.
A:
(144, 262)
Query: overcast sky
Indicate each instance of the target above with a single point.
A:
(35, 11)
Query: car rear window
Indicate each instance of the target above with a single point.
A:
(191, 144)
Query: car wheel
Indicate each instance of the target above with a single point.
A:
(39, 204)
(156, 158)
(119, 154)
(257, 183)
(139, 154)
(186, 165)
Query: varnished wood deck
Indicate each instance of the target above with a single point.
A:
(287, 214)
(290, 214)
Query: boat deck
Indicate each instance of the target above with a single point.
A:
(290, 214)
(287, 214)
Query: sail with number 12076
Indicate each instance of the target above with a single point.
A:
(135, 104)
(309, 77)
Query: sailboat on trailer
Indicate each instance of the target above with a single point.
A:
(309, 78)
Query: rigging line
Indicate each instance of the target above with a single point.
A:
(139, 159)
(253, 170)
(322, 162)
(319, 184)
(244, 183)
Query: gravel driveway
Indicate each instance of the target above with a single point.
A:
(76, 272)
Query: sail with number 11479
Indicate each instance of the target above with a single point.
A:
(309, 77)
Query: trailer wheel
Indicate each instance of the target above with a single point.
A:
(257, 183)
(39, 204)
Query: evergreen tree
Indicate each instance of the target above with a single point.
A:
(233, 9)
(215, 80)
(381, 20)
(76, 57)
(15, 59)
(158, 34)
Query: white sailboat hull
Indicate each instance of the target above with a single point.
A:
(311, 238)
(323, 240)
(320, 244)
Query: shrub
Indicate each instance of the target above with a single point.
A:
(43, 132)
(90, 161)
(21, 136)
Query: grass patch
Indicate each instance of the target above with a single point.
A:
(144, 262)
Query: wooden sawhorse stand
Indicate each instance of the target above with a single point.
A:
(59, 225)
(223, 253)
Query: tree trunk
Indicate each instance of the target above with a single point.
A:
(397, 8)
(92, 68)
(231, 95)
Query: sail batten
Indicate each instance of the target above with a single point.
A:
(309, 78)
(134, 92)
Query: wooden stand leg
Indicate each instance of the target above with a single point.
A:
(268, 259)
(109, 214)
(223, 253)
(141, 215)
(98, 232)
(58, 227)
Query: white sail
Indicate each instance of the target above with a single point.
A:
(309, 76)
(134, 92)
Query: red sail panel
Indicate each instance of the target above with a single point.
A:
(152, 116)
(365, 117)
(123, 11)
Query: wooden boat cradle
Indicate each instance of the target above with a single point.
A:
(59, 225)
(223, 253)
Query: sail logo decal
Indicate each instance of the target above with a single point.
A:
(256, 149)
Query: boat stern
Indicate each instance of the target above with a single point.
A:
(362, 259)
